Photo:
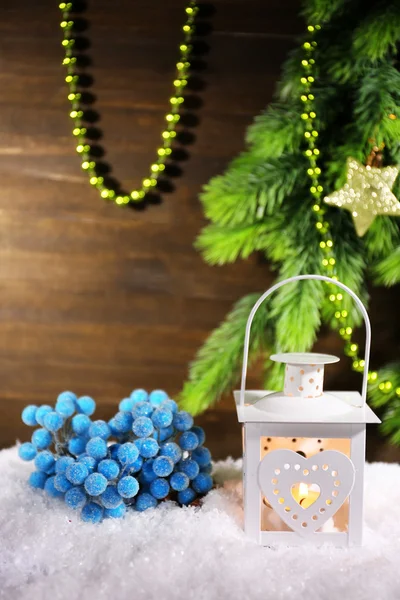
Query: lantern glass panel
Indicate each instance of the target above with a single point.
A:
(304, 492)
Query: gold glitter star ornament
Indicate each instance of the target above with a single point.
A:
(366, 194)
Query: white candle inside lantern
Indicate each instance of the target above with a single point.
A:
(304, 373)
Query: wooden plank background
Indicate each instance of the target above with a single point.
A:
(99, 299)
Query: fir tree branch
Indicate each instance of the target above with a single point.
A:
(252, 187)
(388, 403)
(222, 245)
(387, 271)
(276, 131)
(217, 365)
(379, 32)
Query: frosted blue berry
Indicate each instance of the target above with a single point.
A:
(127, 454)
(199, 431)
(157, 397)
(128, 487)
(41, 439)
(188, 441)
(142, 427)
(110, 498)
(41, 412)
(95, 484)
(109, 468)
(145, 501)
(80, 424)
(113, 429)
(75, 497)
(137, 465)
(183, 421)
(148, 447)
(142, 409)
(147, 475)
(92, 513)
(52, 421)
(166, 432)
(97, 448)
(159, 488)
(171, 404)
(44, 461)
(37, 479)
(171, 450)
(123, 422)
(99, 429)
(189, 467)
(163, 466)
(202, 456)
(162, 417)
(76, 473)
(65, 407)
(186, 496)
(27, 451)
(179, 481)
(113, 449)
(62, 464)
(29, 415)
(50, 489)
(86, 405)
(77, 445)
(67, 397)
(126, 404)
(115, 513)
(139, 395)
(202, 483)
(89, 462)
(61, 483)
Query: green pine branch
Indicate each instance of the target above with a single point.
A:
(217, 365)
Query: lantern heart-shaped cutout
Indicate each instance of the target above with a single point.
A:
(305, 494)
(305, 509)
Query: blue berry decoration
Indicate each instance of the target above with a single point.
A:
(142, 427)
(53, 421)
(95, 484)
(127, 454)
(159, 488)
(183, 421)
(80, 424)
(128, 487)
(86, 405)
(76, 473)
(147, 452)
(179, 481)
(75, 498)
(109, 468)
(41, 439)
(145, 501)
(97, 448)
(188, 440)
(110, 498)
(29, 415)
(92, 513)
(27, 451)
(163, 466)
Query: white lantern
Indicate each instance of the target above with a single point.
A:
(304, 449)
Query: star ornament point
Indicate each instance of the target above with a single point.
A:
(367, 193)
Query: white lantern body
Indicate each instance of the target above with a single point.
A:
(303, 453)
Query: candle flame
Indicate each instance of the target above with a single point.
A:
(303, 490)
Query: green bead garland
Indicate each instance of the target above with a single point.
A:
(77, 115)
(328, 261)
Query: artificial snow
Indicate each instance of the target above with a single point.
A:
(172, 553)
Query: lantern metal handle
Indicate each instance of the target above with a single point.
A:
(299, 278)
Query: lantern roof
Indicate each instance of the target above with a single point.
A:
(261, 406)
